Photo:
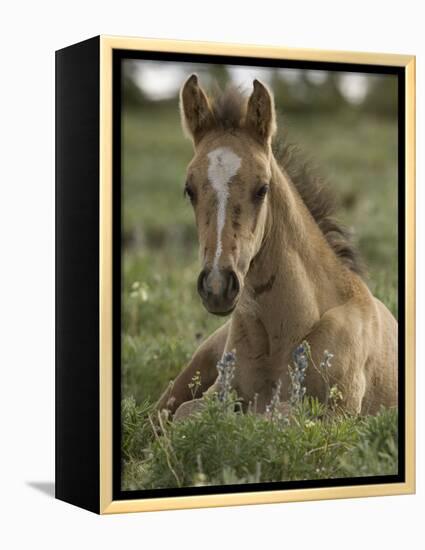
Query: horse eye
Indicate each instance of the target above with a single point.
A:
(261, 192)
(189, 192)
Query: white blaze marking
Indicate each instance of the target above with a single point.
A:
(223, 165)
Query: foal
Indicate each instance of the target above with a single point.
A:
(273, 260)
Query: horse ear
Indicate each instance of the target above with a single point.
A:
(197, 117)
(260, 115)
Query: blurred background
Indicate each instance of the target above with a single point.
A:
(346, 123)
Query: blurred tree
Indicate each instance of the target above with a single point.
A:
(302, 94)
(218, 75)
(131, 93)
(382, 96)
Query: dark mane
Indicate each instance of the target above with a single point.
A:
(229, 108)
(320, 201)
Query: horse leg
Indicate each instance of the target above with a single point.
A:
(204, 360)
(343, 332)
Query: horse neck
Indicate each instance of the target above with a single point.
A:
(296, 276)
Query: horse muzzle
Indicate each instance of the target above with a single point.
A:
(219, 290)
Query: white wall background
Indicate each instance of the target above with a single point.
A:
(29, 34)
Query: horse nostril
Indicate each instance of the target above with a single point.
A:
(232, 285)
(202, 283)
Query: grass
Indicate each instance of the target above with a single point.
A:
(220, 446)
(164, 322)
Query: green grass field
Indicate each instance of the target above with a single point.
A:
(164, 321)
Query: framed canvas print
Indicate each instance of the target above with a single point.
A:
(234, 274)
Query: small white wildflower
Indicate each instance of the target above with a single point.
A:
(327, 357)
